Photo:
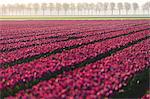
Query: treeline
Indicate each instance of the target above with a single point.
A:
(76, 9)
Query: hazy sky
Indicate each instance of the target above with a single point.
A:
(69, 1)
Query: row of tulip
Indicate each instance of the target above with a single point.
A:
(12, 25)
(19, 53)
(24, 34)
(41, 31)
(12, 76)
(89, 59)
(8, 25)
(35, 27)
(56, 35)
(99, 79)
(60, 32)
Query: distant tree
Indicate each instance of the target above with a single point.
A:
(72, 8)
(146, 7)
(127, 7)
(99, 7)
(0, 9)
(9, 7)
(120, 7)
(143, 9)
(36, 8)
(85, 7)
(58, 7)
(23, 7)
(29, 8)
(79, 8)
(15, 9)
(18, 9)
(4, 9)
(112, 7)
(105, 7)
(51, 8)
(92, 7)
(44, 8)
(135, 7)
(65, 7)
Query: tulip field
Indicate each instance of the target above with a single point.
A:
(75, 59)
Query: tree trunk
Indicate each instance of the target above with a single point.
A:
(72, 12)
(99, 11)
(43, 12)
(30, 12)
(9, 12)
(50, 11)
(104, 12)
(126, 12)
(65, 12)
(22, 11)
(112, 12)
(119, 12)
(88, 12)
(78, 12)
(58, 12)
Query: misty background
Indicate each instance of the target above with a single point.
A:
(75, 8)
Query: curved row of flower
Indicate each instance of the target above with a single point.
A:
(8, 28)
(96, 80)
(101, 78)
(12, 25)
(37, 32)
(35, 50)
(21, 41)
(30, 29)
(47, 34)
(12, 76)
(25, 25)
